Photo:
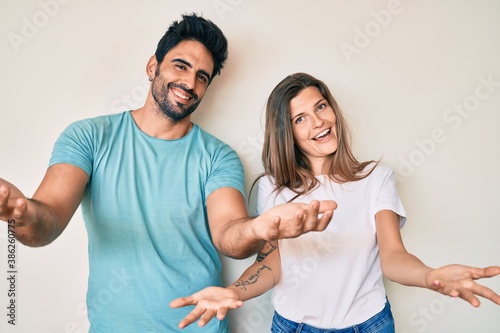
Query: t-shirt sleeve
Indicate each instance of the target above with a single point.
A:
(227, 171)
(388, 196)
(266, 196)
(74, 146)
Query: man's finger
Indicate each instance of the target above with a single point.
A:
(314, 207)
(311, 220)
(20, 209)
(4, 195)
(274, 229)
(327, 205)
(299, 221)
(324, 221)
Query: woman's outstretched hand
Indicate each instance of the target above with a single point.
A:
(210, 302)
(459, 281)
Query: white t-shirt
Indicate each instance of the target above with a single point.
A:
(333, 279)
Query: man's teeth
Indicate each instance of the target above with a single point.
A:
(325, 132)
(178, 94)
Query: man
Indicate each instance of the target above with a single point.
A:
(159, 195)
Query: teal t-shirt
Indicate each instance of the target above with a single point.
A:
(145, 214)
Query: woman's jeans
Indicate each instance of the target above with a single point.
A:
(382, 322)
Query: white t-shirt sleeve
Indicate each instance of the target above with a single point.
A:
(388, 197)
(266, 196)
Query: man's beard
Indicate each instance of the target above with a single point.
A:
(160, 90)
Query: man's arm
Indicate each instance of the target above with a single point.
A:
(237, 235)
(41, 219)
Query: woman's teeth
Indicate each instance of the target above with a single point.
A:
(322, 134)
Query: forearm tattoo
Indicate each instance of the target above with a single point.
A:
(242, 284)
(266, 250)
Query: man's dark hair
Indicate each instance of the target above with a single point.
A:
(197, 28)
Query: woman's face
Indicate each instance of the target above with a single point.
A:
(313, 126)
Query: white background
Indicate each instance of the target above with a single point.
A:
(401, 71)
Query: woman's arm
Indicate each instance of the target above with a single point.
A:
(397, 264)
(263, 275)
(402, 267)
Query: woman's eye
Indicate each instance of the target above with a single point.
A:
(298, 120)
(321, 106)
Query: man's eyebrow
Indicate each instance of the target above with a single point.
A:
(183, 61)
(188, 64)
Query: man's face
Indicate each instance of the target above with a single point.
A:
(181, 80)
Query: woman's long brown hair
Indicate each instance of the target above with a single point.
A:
(284, 161)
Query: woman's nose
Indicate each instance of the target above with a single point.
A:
(317, 121)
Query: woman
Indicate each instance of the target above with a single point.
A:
(332, 279)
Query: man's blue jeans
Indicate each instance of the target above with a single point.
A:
(382, 322)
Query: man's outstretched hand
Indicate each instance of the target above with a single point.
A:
(291, 220)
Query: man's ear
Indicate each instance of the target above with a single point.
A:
(151, 67)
